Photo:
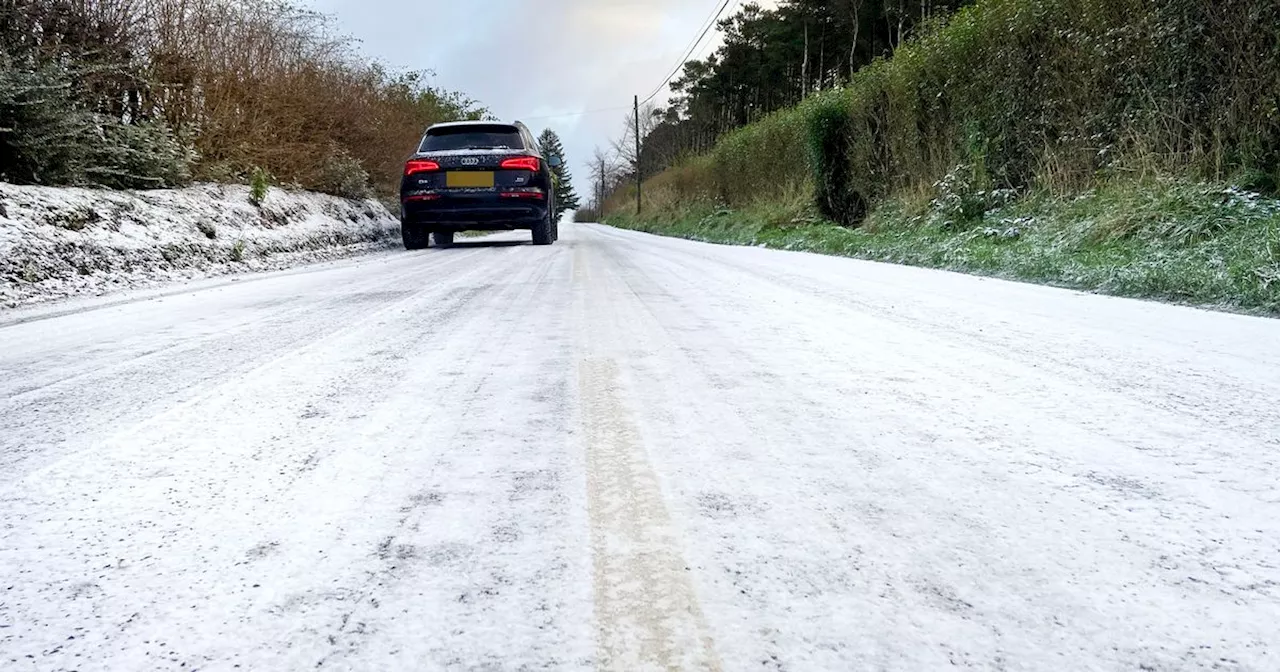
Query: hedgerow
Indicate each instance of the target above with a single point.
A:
(153, 93)
(1058, 95)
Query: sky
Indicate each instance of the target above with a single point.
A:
(537, 61)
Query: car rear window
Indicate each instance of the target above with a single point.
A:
(472, 137)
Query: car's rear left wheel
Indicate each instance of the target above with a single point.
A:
(413, 236)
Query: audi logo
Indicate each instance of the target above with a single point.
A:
(471, 162)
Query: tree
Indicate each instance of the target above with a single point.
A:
(607, 176)
(566, 197)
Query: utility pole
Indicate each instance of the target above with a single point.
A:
(639, 179)
(601, 201)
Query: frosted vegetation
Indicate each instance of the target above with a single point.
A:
(57, 242)
(1126, 146)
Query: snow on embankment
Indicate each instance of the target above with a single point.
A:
(57, 242)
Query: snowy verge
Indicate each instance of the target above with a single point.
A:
(60, 242)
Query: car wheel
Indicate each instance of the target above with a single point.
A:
(542, 232)
(443, 238)
(553, 214)
(413, 236)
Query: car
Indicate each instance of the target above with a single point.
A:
(477, 176)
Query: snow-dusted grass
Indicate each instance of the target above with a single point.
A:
(1193, 243)
(57, 242)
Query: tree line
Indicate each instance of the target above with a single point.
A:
(154, 93)
(770, 59)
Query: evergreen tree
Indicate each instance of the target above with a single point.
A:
(566, 198)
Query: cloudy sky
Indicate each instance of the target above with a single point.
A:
(539, 61)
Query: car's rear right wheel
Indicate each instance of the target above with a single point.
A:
(413, 235)
(542, 232)
(443, 238)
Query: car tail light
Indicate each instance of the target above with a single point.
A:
(416, 166)
(422, 197)
(521, 163)
(536, 195)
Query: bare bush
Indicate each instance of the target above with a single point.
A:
(145, 92)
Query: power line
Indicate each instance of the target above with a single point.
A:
(707, 24)
(692, 48)
(711, 17)
(689, 51)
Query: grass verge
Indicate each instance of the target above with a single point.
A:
(1201, 244)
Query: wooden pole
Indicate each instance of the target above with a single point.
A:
(639, 179)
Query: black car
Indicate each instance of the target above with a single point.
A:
(477, 176)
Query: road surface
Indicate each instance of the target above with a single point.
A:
(633, 453)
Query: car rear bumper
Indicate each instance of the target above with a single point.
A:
(487, 212)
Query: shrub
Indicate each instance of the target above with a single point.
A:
(259, 184)
(43, 135)
(342, 175)
(762, 161)
(147, 155)
(963, 199)
(48, 136)
(830, 151)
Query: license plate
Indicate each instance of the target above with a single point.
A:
(469, 179)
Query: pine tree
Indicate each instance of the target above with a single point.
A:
(566, 198)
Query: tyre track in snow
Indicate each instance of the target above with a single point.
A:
(647, 612)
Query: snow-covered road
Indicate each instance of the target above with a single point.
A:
(635, 453)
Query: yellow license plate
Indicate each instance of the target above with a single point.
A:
(469, 179)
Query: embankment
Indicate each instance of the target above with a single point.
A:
(57, 242)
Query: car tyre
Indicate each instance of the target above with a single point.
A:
(542, 231)
(553, 214)
(443, 238)
(413, 236)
